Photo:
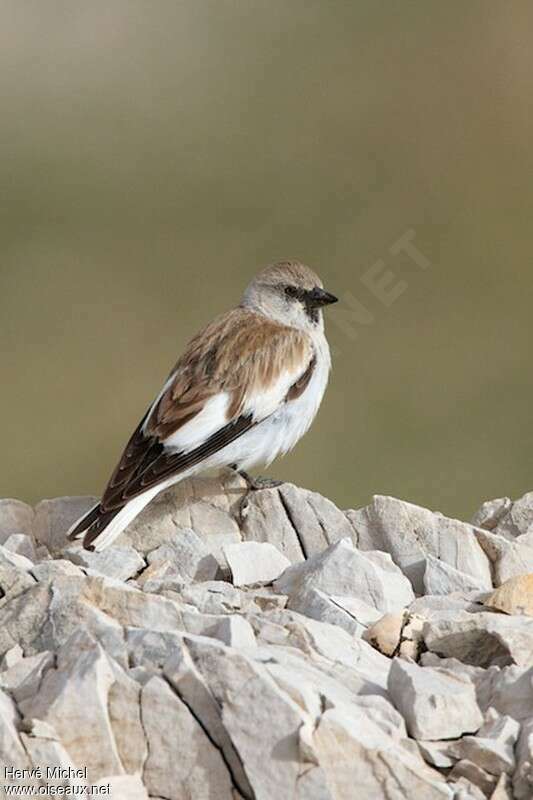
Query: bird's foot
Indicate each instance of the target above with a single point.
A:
(256, 484)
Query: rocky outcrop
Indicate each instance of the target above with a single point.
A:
(255, 645)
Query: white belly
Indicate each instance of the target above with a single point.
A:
(278, 434)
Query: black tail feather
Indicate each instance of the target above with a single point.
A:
(85, 522)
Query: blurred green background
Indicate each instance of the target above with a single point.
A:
(153, 155)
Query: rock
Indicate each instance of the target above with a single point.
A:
(385, 635)
(13, 582)
(160, 577)
(47, 570)
(191, 686)
(23, 678)
(508, 558)
(22, 617)
(265, 519)
(15, 517)
(518, 519)
(11, 658)
(434, 703)
(114, 562)
(409, 533)
(120, 787)
(438, 607)
(492, 749)
(234, 631)
(298, 522)
(491, 513)
(168, 681)
(523, 776)
(354, 663)
(343, 570)
(254, 563)
(363, 613)
(188, 555)
(249, 699)
(482, 639)
(113, 740)
(42, 744)
(172, 771)
(10, 559)
(12, 752)
(22, 544)
(438, 754)
(320, 606)
(47, 615)
(53, 518)
(358, 756)
(474, 774)
(515, 596)
(503, 789)
(214, 597)
(508, 690)
(441, 578)
(208, 506)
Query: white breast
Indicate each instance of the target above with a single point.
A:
(285, 427)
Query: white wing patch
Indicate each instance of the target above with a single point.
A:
(262, 404)
(212, 417)
(214, 414)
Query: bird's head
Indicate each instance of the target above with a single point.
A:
(289, 292)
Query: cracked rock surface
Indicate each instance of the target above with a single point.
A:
(255, 645)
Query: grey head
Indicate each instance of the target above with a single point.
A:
(289, 292)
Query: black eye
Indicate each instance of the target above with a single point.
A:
(292, 291)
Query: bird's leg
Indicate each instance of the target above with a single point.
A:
(256, 484)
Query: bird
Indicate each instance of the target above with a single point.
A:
(245, 390)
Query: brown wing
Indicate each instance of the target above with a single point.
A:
(239, 353)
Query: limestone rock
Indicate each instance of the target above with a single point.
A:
(22, 544)
(523, 775)
(23, 678)
(53, 518)
(385, 635)
(171, 770)
(509, 558)
(471, 773)
(112, 742)
(47, 570)
(491, 513)
(492, 749)
(148, 665)
(358, 756)
(503, 789)
(515, 596)
(518, 519)
(320, 606)
(314, 520)
(265, 519)
(15, 517)
(11, 658)
(12, 752)
(120, 787)
(442, 578)
(208, 506)
(343, 570)
(9, 558)
(409, 533)
(254, 563)
(13, 582)
(114, 562)
(482, 639)
(434, 703)
(188, 555)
